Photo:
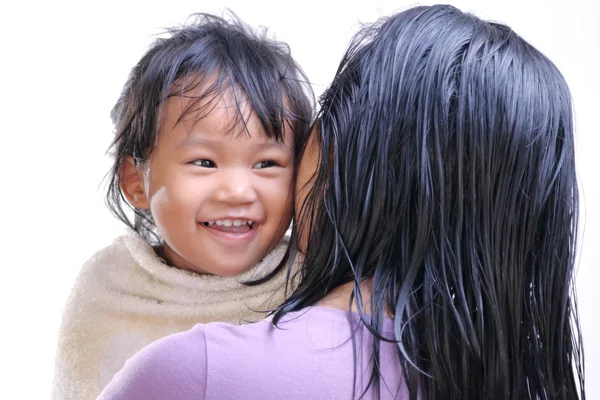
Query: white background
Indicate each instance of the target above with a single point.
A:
(62, 66)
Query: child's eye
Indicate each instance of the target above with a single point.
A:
(264, 164)
(204, 163)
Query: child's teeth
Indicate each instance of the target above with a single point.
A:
(229, 222)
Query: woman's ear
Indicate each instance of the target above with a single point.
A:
(132, 184)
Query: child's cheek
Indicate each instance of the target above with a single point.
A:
(159, 201)
(163, 210)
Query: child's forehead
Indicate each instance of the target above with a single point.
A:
(198, 103)
(217, 111)
(217, 106)
(219, 116)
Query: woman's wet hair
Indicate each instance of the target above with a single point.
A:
(447, 182)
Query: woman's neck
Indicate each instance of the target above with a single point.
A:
(340, 297)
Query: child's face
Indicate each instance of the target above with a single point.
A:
(220, 198)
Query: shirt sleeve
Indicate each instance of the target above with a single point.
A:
(174, 367)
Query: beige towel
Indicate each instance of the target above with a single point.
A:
(125, 297)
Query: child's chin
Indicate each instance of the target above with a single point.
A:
(231, 270)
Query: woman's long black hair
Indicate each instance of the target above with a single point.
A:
(447, 178)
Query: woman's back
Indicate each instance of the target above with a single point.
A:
(308, 356)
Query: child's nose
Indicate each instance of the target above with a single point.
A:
(236, 187)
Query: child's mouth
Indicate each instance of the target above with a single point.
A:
(230, 226)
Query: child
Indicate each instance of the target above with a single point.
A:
(207, 131)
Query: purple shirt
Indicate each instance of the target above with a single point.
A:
(309, 356)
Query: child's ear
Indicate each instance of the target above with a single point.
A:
(132, 184)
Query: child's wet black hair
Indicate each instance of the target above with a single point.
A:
(217, 57)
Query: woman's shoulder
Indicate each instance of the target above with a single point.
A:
(173, 367)
(314, 345)
(307, 331)
(253, 361)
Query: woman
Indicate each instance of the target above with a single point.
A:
(439, 228)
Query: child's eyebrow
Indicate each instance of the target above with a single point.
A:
(198, 141)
